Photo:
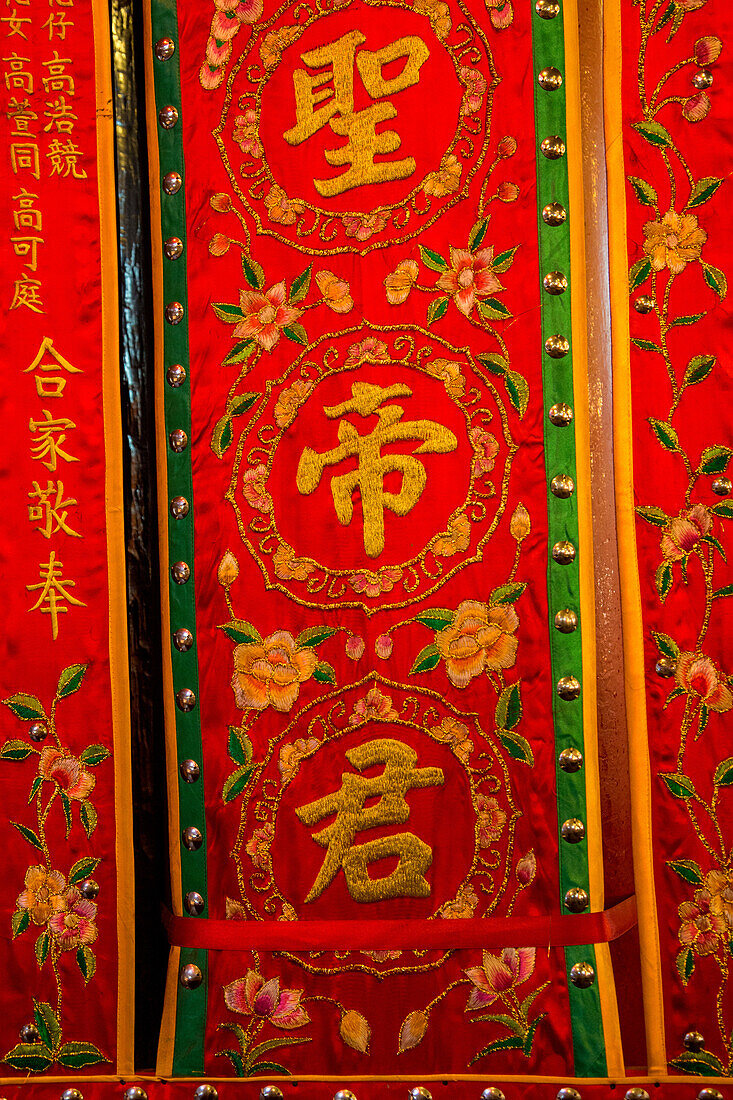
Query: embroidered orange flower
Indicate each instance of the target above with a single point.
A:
(485, 449)
(683, 532)
(75, 925)
(400, 282)
(290, 401)
(254, 488)
(364, 226)
(470, 276)
(269, 673)
(369, 350)
(463, 905)
(219, 245)
(507, 147)
(253, 996)
(507, 192)
(383, 646)
(446, 180)
(265, 316)
(374, 707)
(381, 956)
(526, 868)
(479, 638)
(291, 756)
(288, 567)
(490, 820)
(450, 374)
(280, 208)
(335, 291)
(698, 676)
(701, 929)
(66, 772)
(499, 975)
(245, 133)
(455, 734)
(456, 538)
(475, 84)
(720, 886)
(674, 241)
(220, 202)
(43, 895)
(258, 846)
(438, 13)
(374, 584)
(275, 42)
(501, 13)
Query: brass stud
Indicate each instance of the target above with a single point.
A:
(175, 376)
(703, 79)
(37, 731)
(665, 667)
(419, 1092)
(557, 347)
(563, 552)
(721, 486)
(553, 147)
(164, 49)
(566, 621)
(582, 975)
(562, 485)
(709, 1094)
(183, 639)
(179, 507)
(644, 303)
(560, 414)
(570, 759)
(89, 889)
(168, 116)
(271, 1092)
(172, 182)
(192, 838)
(547, 9)
(186, 700)
(190, 771)
(344, 1094)
(173, 248)
(71, 1094)
(135, 1093)
(174, 313)
(550, 79)
(206, 1092)
(568, 688)
(694, 1041)
(555, 282)
(568, 1094)
(573, 830)
(554, 213)
(190, 976)
(181, 572)
(636, 1093)
(576, 899)
(29, 1033)
(492, 1093)
(178, 440)
(194, 903)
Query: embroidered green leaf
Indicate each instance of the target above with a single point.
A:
(639, 273)
(88, 816)
(703, 190)
(222, 435)
(15, 750)
(28, 835)
(505, 1021)
(240, 353)
(324, 673)
(240, 746)
(19, 922)
(29, 1057)
(82, 869)
(78, 1055)
(504, 260)
(232, 314)
(431, 259)
(477, 234)
(654, 133)
(301, 285)
(437, 618)
(495, 364)
(517, 746)
(681, 786)
(314, 635)
(666, 645)
(721, 593)
(239, 630)
(511, 1043)
(436, 309)
(41, 948)
(687, 319)
(699, 1063)
(35, 787)
(518, 391)
(715, 543)
(674, 694)
(529, 999)
(687, 870)
(273, 1068)
(725, 510)
(715, 459)
(66, 807)
(253, 272)
(665, 433)
(235, 1058)
(644, 191)
(273, 1044)
(507, 593)
(703, 719)
(529, 1037)
(427, 659)
(685, 963)
(87, 963)
(715, 279)
(235, 784)
(509, 708)
(94, 755)
(47, 1023)
(666, 16)
(241, 403)
(70, 680)
(653, 515)
(491, 309)
(646, 345)
(698, 369)
(296, 333)
(25, 706)
(724, 773)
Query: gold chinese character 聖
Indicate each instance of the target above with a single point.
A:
(58, 80)
(50, 385)
(64, 157)
(24, 158)
(46, 448)
(373, 466)
(336, 109)
(54, 592)
(60, 115)
(26, 293)
(27, 216)
(17, 77)
(400, 775)
(47, 513)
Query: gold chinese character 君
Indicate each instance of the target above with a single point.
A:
(373, 466)
(318, 103)
(353, 816)
(54, 592)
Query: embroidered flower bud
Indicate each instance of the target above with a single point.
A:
(383, 646)
(354, 646)
(527, 868)
(707, 50)
(508, 192)
(502, 16)
(520, 525)
(220, 202)
(219, 244)
(228, 570)
(507, 147)
(355, 1031)
(696, 107)
(412, 1031)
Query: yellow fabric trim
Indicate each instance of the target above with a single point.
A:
(606, 988)
(630, 592)
(116, 572)
(244, 1087)
(167, 1039)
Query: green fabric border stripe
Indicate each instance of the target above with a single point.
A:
(548, 47)
(188, 1057)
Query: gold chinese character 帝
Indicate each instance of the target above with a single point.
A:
(54, 592)
(47, 513)
(60, 115)
(58, 24)
(24, 158)
(27, 293)
(58, 80)
(364, 143)
(27, 216)
(51, 434)
(15, 24)
(64, 157)
(352, 816)
(16, 76)
(50, 385)
(373, 465)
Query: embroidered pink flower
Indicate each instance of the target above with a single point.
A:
(526, 868)
(258, 846)
(245, 133)
(265, 315)
(374, 707)
(707, 50)
(683, 532)
(374, 584)
(696, 107)
(75, 925)
(354, 647)
(475, 84)
(490, 820)
(701, 928)
(253, 996)
(43, 895)
(501, 13)
(485, 449)
(280, 208)
(383, 646)
(481, 637)
(219, 244)
(288, 567)
(499, 975)
(254, 488)
(290, 401)
(364, 226)
(674, 241)
(66, 772)
(269, 673)
(470, 276)
(291, 756)
(698, 676)
(369, 350)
